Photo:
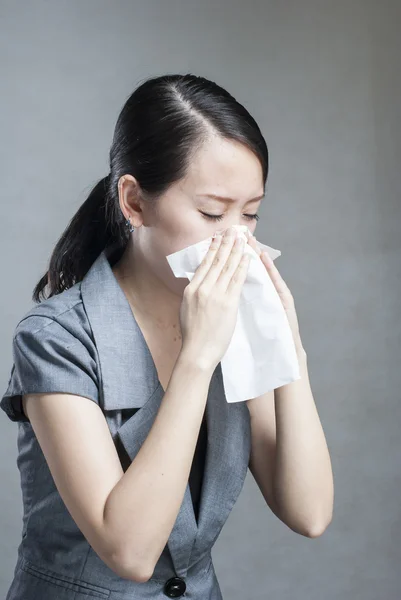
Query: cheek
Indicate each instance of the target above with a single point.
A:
(170, 234)
(173, 232)
(168, 243)
(162, 241)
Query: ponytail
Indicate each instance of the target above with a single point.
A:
(89, 232)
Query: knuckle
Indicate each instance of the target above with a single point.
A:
(216, 298)
(204, 262)
(220, 297)
(227, 301)
(216, 261)
(188, 291)
(237, 277)
(202, 294)
(228, 272)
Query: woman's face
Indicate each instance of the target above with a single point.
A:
(180, 218)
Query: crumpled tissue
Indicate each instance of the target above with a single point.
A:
(261, 355)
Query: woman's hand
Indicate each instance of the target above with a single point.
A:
(209, 309)
(283, 291)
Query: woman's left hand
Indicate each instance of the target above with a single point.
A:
(283, 291)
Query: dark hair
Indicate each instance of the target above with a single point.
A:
(160, 127)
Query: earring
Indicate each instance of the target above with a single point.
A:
(129, 224)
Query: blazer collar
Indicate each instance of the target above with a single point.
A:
(129, 379)
(126, 363)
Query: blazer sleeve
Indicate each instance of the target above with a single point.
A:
(48, 358)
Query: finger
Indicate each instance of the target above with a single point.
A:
(237, 280)
(220, 258)
(231, 265)
(274, 272)
(253, 243)
(266, 258)
(206, 262)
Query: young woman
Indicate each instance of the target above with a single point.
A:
(130, 457)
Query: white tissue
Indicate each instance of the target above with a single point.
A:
(262, 354)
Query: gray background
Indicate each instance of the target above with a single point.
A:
(322, 79)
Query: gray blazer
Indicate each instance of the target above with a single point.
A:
(86, 341)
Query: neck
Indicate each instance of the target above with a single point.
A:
(147, 295)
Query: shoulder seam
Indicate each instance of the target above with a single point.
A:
(52, 318)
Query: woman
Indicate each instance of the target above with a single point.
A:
(116, 383)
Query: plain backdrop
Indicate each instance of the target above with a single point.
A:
(322, 79)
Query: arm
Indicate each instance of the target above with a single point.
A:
(289, 457)
(126, 517)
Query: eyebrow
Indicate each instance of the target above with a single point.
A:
(225, 199)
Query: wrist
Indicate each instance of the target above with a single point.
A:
(194, 363)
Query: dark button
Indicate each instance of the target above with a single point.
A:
(175, 587)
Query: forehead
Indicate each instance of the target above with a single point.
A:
(226, 168)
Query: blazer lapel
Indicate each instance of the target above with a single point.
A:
(226, 466)
(127, 370)
(129, 380)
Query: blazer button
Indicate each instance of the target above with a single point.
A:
(174, 587)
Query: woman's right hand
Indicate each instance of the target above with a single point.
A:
(209, 309)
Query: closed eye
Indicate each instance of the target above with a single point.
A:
(219, 217)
